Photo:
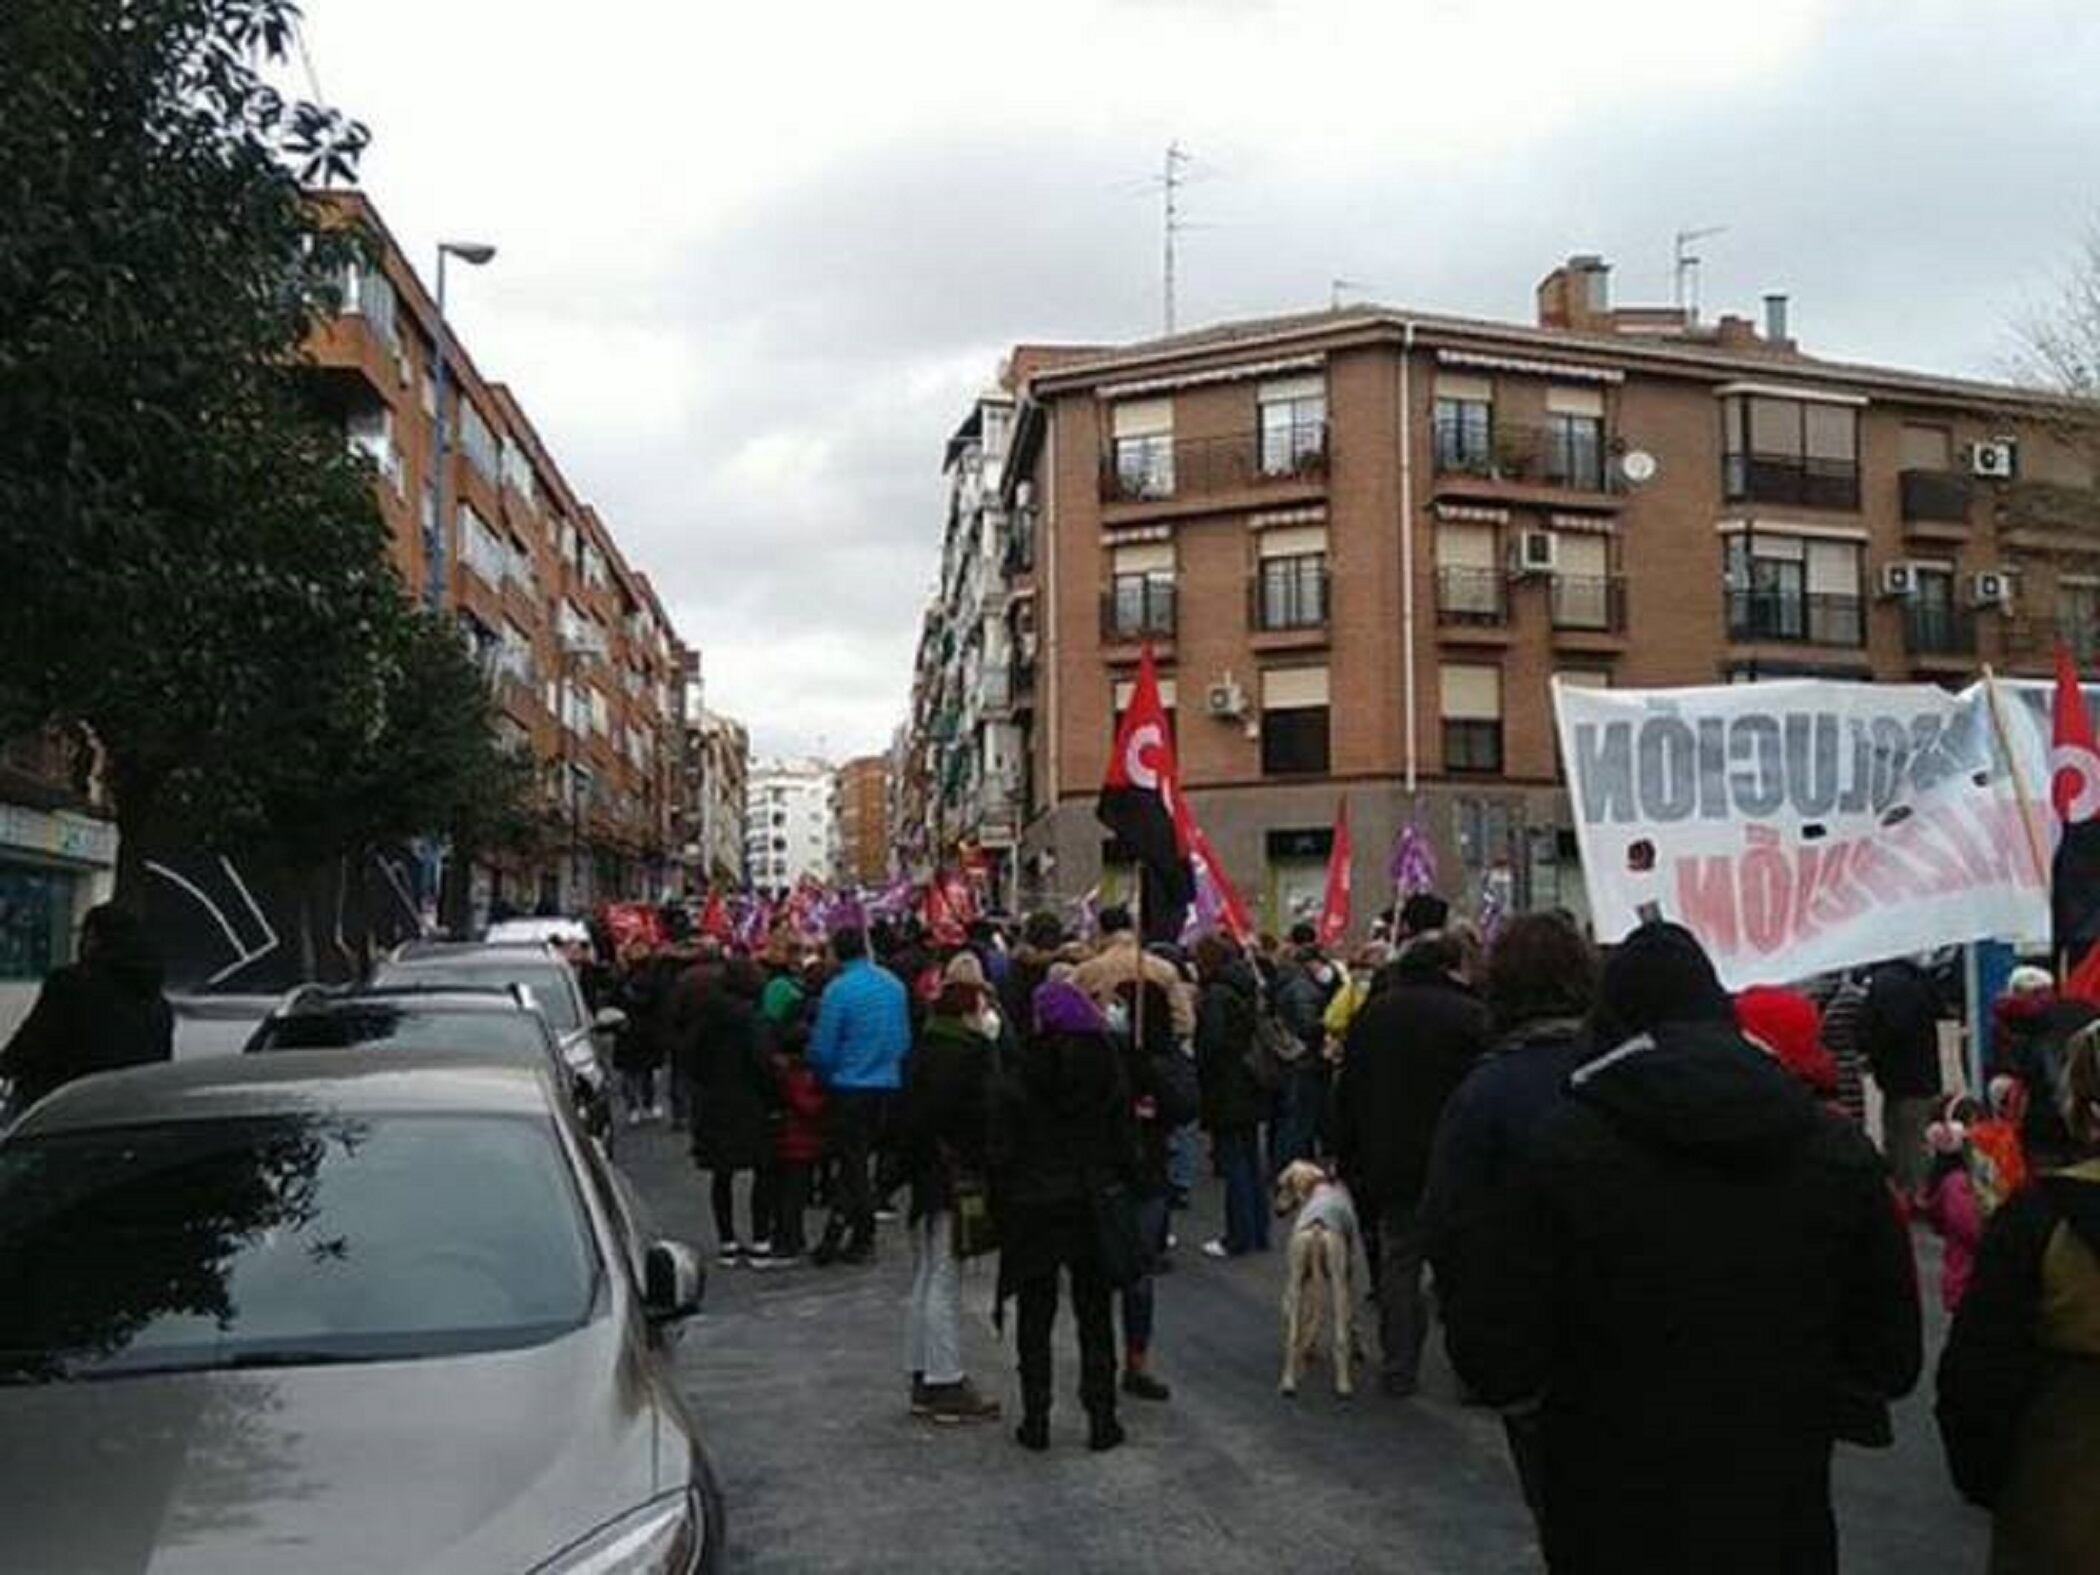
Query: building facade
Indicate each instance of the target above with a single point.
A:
(581, 658)
(790, 825)
(1361, 542)
(58, 857)
(864, 821)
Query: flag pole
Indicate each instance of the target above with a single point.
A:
(1137, 978)
(2019, 777)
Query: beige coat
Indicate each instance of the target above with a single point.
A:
(1121, 962)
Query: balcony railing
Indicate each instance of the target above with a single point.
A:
(1789, 478)
(1799, 619)
(1939, 631)
(1471, 596)
(2034, 639)
(1289, 593)
(1534, 455)
(1138, 608)
(2048, 505)
(1934, 495)
(995, 688)
(1150, 469)
(1589, 601)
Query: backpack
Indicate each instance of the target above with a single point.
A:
(1168, 1075)
(1273, 1051)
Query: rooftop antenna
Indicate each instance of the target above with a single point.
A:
(1684, 287)
(1336, 288)
(1170, 182)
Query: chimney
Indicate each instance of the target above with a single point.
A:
(1577, 295)
(1775, 319)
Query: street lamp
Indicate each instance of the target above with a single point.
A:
(474, 254)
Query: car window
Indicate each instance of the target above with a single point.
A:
(400, 1028)
(287, 1239)
(553, 987)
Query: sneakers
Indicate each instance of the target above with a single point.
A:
(921, 1396)
(1215, 1248)
(1143, 1386)
(731, 1255)
(957, 1402)
(885, 1216)
(760, 1253)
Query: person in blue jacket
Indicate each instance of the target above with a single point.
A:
(857, 1050)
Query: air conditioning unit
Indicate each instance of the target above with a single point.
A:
(1993, 459)
(1533, 552)
(1991, 588)
(1226, 699)
(1899, 580)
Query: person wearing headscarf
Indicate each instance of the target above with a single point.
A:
(1061, 1135)
(1698, 1267)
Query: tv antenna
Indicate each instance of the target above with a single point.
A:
(1684, 284)
(1337, 288)
(1171, 180)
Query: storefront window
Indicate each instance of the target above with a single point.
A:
(36, 915)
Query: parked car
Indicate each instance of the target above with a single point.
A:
(497, 1020)
(337, 1309)
(535, 932)
(585, 1040)
(216, 1024)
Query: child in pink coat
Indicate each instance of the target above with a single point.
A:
(1951, 1204)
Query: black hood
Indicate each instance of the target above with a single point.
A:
(2078, 1201)
(1700, 1089)
(133, 970)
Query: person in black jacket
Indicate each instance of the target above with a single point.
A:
(95, 1015)
(1232, 1102)
(1061, 1136)
(733, 1088)
(1696, 1265)
(1162, 1097)
(1899, 1033)
(1408, 1048)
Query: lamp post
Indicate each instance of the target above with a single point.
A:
(473, 254)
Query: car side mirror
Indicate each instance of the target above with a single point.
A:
(673, 1282)
(610, 1020)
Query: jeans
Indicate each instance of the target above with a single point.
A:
(723, 1197)
(790, 1201)
(855, 1121)
(1301, 1114)
(1246, 1211)
(1138, 1298)
(1185, 1157)
(1403, 1312)
(933, 1324)
(638, 1088)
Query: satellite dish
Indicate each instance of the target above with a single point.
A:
(1638, 466)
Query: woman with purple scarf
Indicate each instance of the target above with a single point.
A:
(1061, 1132)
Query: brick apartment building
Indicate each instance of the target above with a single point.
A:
(583, 661)
(864, 820)
(1363, 540)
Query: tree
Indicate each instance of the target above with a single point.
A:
(191, 562)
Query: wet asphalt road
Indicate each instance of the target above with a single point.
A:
(797, 1378)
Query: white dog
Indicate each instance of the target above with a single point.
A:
(1322, 1268)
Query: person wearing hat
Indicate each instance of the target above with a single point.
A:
(941, 1132)
(1698, 1269)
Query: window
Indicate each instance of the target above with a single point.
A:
(372, 435)
(1463, 426)
(1141, 591)
(1291, 581)
(1143, 450)
(1293, 425)
(1932, 624)
(1294, 712)
(36, 920)
(1574, 448)
(1584, 592)
(368, 293)
(478, 443)
(2078, 617)
(482, 549)
(1472, 710)
(1778, 450)
(1927, 448)
(1469, 579)
(517, 469)
(1584, 677)
(1794, 588)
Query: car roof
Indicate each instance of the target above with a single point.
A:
(477, 956)
(438, 951)
(434, 999)
(353, 1081)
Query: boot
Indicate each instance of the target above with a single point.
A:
(960, 1402)
(1103, 1431)
(1034, 1431)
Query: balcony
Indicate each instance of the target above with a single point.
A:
(1158, 469)
(995, 689)
(2033, 640)
(2047, 505)
(1471, 597)
(1789, 478)
(1792, 618)
(1589, 602)
(1934, 495)
(1137, 607)
(1570, 458)
(1020, 681)
(1288, 594)
(1938, 630)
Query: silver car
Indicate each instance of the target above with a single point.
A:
(333, 1310)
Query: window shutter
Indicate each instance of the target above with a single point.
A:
(1472, 694)
(1295, 542)
(1136, 418)
(1465, 546)
(1583, 555)
(1563, 401)
(1147, 558)
(1126, 690)
(1293, 688)
(1311, 386)
(1474, 390)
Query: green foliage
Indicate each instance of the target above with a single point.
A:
(190, 560)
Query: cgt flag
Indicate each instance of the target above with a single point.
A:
(1335, 906)
(1139, 799)
(2074, 876)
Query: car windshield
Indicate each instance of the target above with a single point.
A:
(286, 1240)
(402, 1028)
(553, 989)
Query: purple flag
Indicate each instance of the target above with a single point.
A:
(1413, 864)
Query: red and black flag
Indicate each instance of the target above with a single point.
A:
(1138, 803)
(2074, 789)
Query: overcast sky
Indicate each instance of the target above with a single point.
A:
(757, 258)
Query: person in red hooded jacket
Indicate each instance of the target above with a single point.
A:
(1785, 1024)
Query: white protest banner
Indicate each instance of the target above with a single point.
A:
(1808, 824)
